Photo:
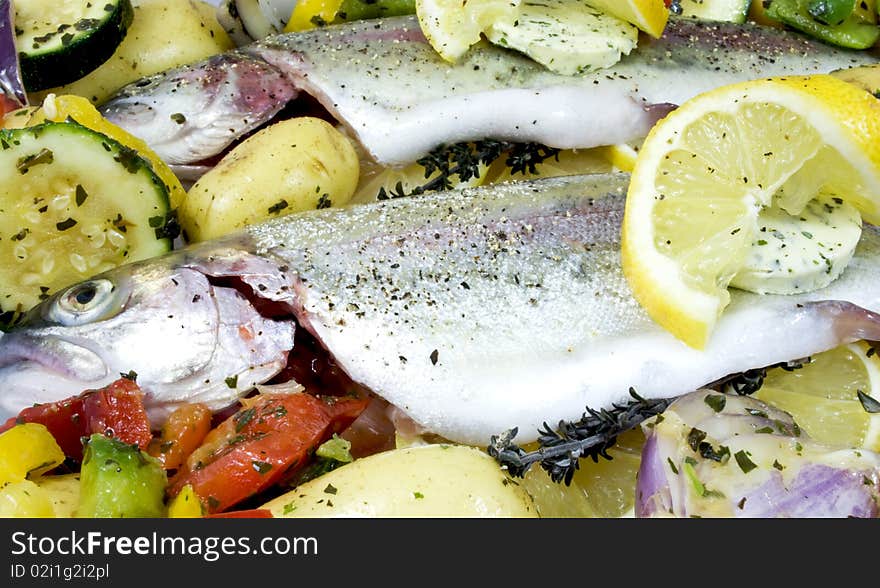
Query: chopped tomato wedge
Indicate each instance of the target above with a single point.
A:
(181, 434)
(116, 410)
(271, 436)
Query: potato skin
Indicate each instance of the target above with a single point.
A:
(291, 166)
(424, 481)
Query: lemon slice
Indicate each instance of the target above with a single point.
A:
(823, 397)
(569, 162)
(706, 171)
(648, 15)
(603, 489)
(375, 177)
(623, 156)
(452, 26)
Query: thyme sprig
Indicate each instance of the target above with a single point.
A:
(591, 436)
(750, 381)
(465, 159)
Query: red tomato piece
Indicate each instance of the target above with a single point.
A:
(271, 436)
(116, 410)
(62, 418)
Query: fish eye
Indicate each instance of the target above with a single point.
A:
(84, 302)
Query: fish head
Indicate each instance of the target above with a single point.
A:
(223, 98)
(166, 322)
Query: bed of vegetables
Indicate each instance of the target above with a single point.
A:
(334, 450)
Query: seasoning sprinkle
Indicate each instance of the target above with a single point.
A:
(25, 163)
(65, 224)
(81, 195)
(715, 401)
(262, 467)
(278, 207)
(743, 461)
(243, 418)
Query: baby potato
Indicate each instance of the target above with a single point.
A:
(291, 166)
(423, 481)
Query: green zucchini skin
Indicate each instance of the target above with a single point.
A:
(77, 50)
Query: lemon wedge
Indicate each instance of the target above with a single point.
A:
(823, 395)
(623, 156)
(452, 26)
(648, 15)
(706, 171)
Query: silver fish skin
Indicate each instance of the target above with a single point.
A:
(186, 339)
(191, 113)
(785, 473)
(472, 311)
(391, 90)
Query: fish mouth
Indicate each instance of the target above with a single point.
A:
(44, 369)
(54, 354)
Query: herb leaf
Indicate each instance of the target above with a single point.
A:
(871, 405)
(559, 450)
(743, 461)
(715, 401)
(464, 160)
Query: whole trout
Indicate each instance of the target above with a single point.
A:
(394, 93)
(473, 311)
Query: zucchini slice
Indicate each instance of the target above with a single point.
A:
(73, 203)
(60, 42)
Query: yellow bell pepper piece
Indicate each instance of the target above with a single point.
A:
(27, 450)
(308, 13)
(186, 505)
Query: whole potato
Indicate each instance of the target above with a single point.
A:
(422, 481)
(291, 166)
